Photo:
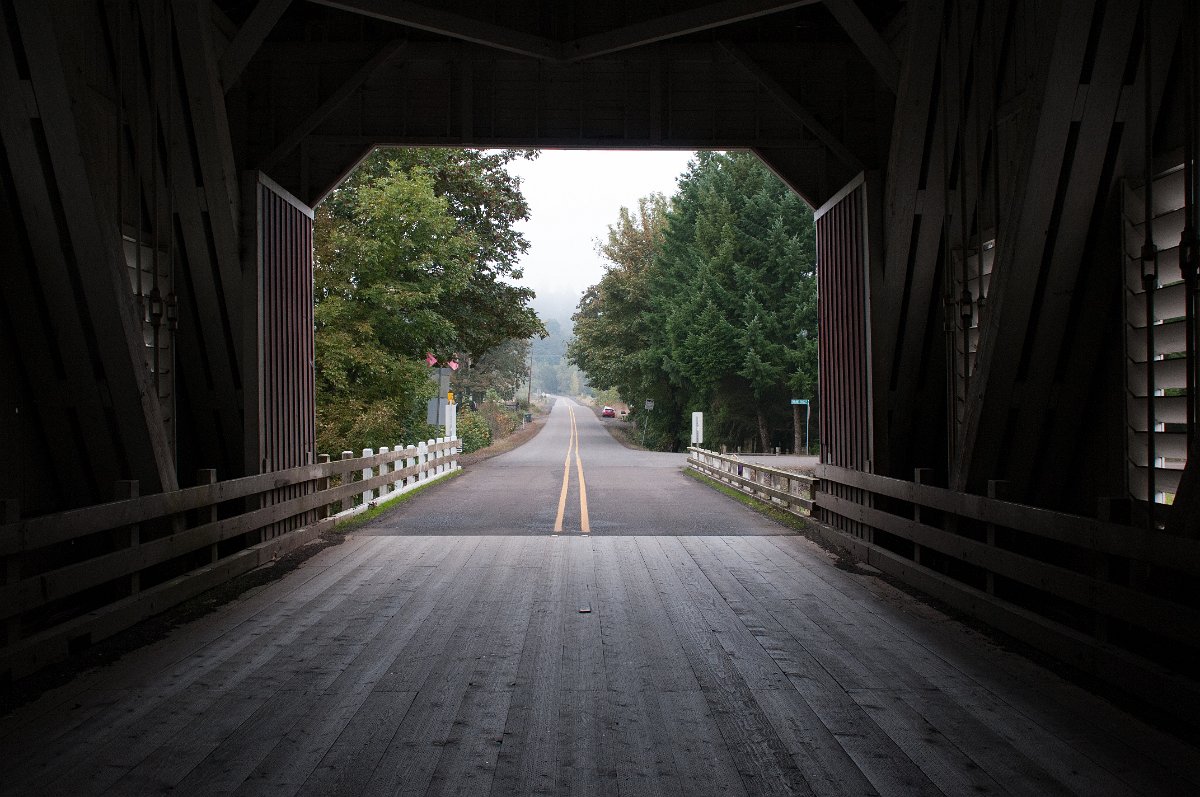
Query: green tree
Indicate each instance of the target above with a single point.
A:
(615, 325)
(710, 307)
(502, 368)
(486, 204)
(413, 254)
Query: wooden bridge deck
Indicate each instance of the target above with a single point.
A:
(586, 665)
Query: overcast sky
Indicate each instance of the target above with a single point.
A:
(573, 197)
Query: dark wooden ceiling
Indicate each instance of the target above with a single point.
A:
(808, 85)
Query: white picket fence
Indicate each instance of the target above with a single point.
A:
(431, 460)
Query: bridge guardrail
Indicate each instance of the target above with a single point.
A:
(76, 577)
(792, 492)
(1109, 599)
(1092, 593)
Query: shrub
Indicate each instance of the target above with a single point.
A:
(474, 431)
(502, 420)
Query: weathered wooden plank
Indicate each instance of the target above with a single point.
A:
(150, 725)
(586, 763)
(468, 760)
(905, 671)
(821, 756)
(1000, 688)
(357, 748)
(764, 765)
(1107, 662)
(527, 762)
(438, 662)
(636, 727)
(249, 719)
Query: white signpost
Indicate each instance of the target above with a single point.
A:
(796, 409)
(697, 428)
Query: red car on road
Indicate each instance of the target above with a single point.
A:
(608, 412)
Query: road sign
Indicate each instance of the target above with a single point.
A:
(799, 401)
(697, 428)
(649, 404)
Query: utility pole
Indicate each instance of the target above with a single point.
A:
(529, 393)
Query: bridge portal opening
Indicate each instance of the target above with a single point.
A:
(700, 266)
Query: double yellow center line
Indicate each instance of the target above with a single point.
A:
(573, 444)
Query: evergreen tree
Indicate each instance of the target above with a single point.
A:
(720, 317)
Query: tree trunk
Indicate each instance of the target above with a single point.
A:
(763, 434)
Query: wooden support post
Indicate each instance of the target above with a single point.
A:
(367, 473)
(322, 486)
(347, 477)
(409, 461)
(10, 573)
(209, 514)
(920, 476)
(999, 489)
(130, 536)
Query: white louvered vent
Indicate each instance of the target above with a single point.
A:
(1170, 378)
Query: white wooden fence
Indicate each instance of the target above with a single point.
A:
(73, 578)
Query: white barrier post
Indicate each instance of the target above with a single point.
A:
(441, 455)
(422, 459)
(385, 488)
(409, 461)
(367, 473)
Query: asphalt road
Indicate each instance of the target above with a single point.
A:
(573, 471)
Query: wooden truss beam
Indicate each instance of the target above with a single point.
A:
(860, 30)
(806, 117)
(91, 251)
(669, 26)
(249, 38)
(914, 204)
(331, 103)
(1040, 247)
(446, 23)
(715, 15)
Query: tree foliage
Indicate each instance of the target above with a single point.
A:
(709, 304)
(414, 253)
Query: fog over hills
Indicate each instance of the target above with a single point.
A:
(557, 305)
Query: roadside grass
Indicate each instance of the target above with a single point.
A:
(780, 516)
(363, 518)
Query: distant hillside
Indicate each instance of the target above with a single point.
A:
(551, 371)
(557, 305)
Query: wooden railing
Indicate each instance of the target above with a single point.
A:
(789, 491)
(1115, 601)
(69, 579)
